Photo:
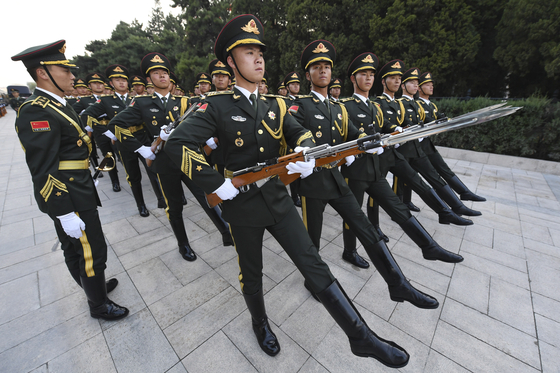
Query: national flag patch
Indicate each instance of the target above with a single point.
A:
(202, 109)
(293, 109)
(40, 126)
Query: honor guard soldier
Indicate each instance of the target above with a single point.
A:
(56, 152)
(196, 90)
(173, 82)
(254, 128)
(108, 106)
(364, 174)
(292, 82)
(96, 82)
(138, 85)
(16, 100)
(413, 152)
(81, 87)
(430, 114)
(335, 87)
(329, 123)
(156, 111)
(204, 83)
(391, 160)
(263, 87)
(281, 89)
(221, 75)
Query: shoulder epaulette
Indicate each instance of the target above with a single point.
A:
(383, 97)
(216, 93)
(41, 101)
(304, 96)
(270, 95)
(111, 95)
(346, 99)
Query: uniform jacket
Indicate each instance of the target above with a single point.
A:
(412, 114)
(150, 111)
(247, 138)
(429, 113)
(49, 133)
(333, 129)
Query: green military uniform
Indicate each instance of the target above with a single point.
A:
(16, 102)
(99, 126)
(293, 77)
(56, 151)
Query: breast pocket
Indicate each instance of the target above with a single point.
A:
(239, 136)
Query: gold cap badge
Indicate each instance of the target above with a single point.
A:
(203, 76)
(320, 49)
(251, 27)
(428, 76)
(136, 78)
(368, 59)
(220, 64)
(294, 76)
(415, 72)
(118, 70)
(396, 65)
(157, 59)
(96, 76)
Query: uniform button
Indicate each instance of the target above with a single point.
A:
(71, 179)
(261, 149)
(167, 117)
(238, 133)
(260, 132)
(333, 128)
(334, 141)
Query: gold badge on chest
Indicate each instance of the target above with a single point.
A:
(79, 142)
(154, 122)
(239, 142)
(271, 115)
(318, 134)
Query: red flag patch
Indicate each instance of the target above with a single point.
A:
(40, 126)
(293, 109)
(202, 109)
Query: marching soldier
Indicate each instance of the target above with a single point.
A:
(413, 152)
(56, 152)
(335, 87)
(221, 75)
(364, 174)
(292, 82)
(16, 101)
(281, 89)
(391, 160)
(96, 83)
(108, 106)
(138, 85)
(157, 111)
(238, 119)
(430, 113)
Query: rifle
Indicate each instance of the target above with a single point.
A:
(101, 167)
(157, 144)
(331, 155)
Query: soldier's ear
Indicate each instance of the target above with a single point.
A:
(229, 61)
(307, 76)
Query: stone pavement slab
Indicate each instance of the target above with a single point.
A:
(499, 308)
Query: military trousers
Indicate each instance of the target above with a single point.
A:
(441, 166)
(89, 252)
(132, 168)
(294, 239)
(347, 207)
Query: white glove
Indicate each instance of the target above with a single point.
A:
(164, 135)
(146, 152)
(301, 148)
(227, 191)
(303, 168)
(378, 150)
(211, 143)
(89, 129)
(420, 139)
(397, 145)
(110, 135)
(398, 129)
(72, 224)
(349, 160)
(96, 183)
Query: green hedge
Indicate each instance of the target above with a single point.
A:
(532, 132)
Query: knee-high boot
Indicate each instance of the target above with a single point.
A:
(373, 216)
(265, 336)
(431, 250)
(399, 287)
(454, 202)
(363, 341)
(111, 284)
(139, 198)
(100, 306)
(185, 250)
(466, 195)
(446, 215)
(215, 215)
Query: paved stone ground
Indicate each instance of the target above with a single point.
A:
(500, 308)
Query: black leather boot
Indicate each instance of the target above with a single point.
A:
(215, 215)
(185, 250)
(111, 284)
(350, 253)
(430, 248)
(184, 199)
(407, 199)
(399, 287)
(363, 341)
(373, 216)
(454, 202)
(139, 198)
(113, 174)
(446, 215)
(265, 336)
(466, 195)
(100, 306)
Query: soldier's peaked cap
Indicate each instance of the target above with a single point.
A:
(218, 67)
(293, 77)
(203, 78)
(136, 79)
(365, 61)
(80, 83)
(394, 67)
(116, 71)
(95, 78)
(411, 74)
(47, 54)
(245, 29)
(335, 83)
(316, 51)
(155, 60)
(425, 78)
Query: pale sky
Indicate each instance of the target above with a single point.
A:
(32, 22)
